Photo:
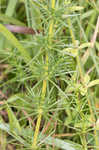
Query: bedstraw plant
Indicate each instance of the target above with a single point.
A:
(49, 80)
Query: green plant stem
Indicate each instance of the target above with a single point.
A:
(93, 119)
(74, 42)
(81, 76)
(83, 137)
(82, 79)
(84, 142)
(34, 145)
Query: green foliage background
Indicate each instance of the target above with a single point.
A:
(49, 81)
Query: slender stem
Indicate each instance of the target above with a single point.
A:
(34, 145)
(96, 139)
(84, 142)
(53, 4)
(74, 42)
(81, 75)
(36, 131)
(93, 120)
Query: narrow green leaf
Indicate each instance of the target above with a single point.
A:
(93, 83)
(14, 124)
(35, 17)
(9, 20)
(87, 14)
(84, 45)
(9, 12)
(11, 7)
(15, 43)
(68, 145)
(14, 98)
(91, 21)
